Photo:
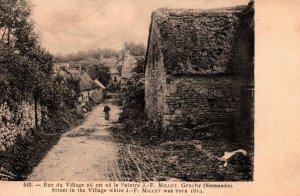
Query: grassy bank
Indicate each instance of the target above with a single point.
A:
(180, 160)
(20, 159)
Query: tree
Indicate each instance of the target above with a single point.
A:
(99, 72)
(135, 49)
(26, 68)
(140, 64)
(18, 32)
(96, 54)
(25, 64)
(15, 18)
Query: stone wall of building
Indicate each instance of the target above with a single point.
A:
(155, 76)
(210, 100)
(17, 120)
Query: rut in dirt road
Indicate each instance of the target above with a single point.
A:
(87, 152)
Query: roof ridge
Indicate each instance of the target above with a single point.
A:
(231, 8)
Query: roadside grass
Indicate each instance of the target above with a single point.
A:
(149, 156)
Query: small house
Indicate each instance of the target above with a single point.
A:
(60, 66)
(115, 78)
(90, 90)
(97, 95)
(129, 63)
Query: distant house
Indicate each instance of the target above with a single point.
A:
(97, 95)
(74, 72)
(60, 66)
(129, 63)
(87, 87)
(90, 90)
(115, 78)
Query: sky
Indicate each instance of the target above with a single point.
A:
(67, 26)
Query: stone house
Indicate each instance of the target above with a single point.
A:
(90, 90)
(115, 78)
(87, 86)
(97, 94)
(129, 63)
(60, 66)
(200, 69)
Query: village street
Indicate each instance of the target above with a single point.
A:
(184, 78)
(87, 152)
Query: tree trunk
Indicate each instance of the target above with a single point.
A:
(8, 36)
(36, 114)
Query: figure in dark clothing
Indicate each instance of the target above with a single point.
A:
(189, 124)
(106, 111)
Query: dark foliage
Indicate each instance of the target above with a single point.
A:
(133, 115)
(140, 64)
(134, 92)
(100, 72)
(136, 124)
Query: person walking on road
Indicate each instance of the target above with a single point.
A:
(106, 111)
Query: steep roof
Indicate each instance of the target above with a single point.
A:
(113, 70)
(86, 82)
(62, 73)
(195, 41)
(57, 66)
(76, 73)
(128, 65)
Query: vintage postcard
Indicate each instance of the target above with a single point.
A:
(136, 97)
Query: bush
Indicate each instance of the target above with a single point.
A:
(137, 126)
(100, 72)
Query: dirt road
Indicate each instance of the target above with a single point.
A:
(87, 152)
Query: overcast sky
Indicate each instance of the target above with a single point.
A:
(71, 25)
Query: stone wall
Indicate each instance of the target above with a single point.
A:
(17, 120)
(155, 76)
(210, 100)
